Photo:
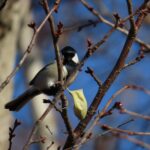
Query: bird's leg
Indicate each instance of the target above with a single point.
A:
(58, 84)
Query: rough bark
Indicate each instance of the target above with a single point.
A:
(10, 20)
(32, 66)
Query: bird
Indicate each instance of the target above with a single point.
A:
(46, 80)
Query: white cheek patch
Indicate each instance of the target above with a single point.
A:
(65, 72)
(50, 83)
(75, 59)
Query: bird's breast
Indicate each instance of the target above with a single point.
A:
(48, 77)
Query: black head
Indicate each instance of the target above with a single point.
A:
(69, 54)
(68, 51)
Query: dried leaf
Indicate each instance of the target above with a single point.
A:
(80, 103)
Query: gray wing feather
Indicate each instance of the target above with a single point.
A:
(32, 81)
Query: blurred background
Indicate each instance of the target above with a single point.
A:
(15, 36)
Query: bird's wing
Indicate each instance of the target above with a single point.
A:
(32, 81)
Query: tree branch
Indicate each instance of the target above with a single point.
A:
(55, 39)
(112, 76)
(28, 50)
(96, 13)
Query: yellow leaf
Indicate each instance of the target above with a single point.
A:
(80, 103)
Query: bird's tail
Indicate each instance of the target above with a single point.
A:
(20, 101)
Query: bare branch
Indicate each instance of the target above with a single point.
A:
(128, 132)
(28, 50)
(65, 116)
(134, 61)
(55, 38)
(115, 72)
(133, 140)
(50, 106)
(112, 76)
(132, 24)
(87, 55)
(135, 114)
(11, 133)
(91, 72)
(90, 136)
(96, 13)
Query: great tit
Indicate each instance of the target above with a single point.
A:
(45, 81)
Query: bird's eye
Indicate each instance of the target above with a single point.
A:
(69, 55)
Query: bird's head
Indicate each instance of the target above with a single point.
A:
(70, 55)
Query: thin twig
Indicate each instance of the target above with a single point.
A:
(101, 114)
(87, 55)
(50, 106)
(140, 88)
(91, 72)
(134, 61)
(90, 22)
(133, 140)
(65, 116)
(131, 19)
(81, 26)
(135, 114)
(28, 50)
(96, 13)
(59, 65)
(118, 105)
(91, 50)
(90, 137)
(49, 130)
(11, 133)
(34, 129)
(115, 72)
(51, 144)
(55, 38)
(41, 139)
(128, 132)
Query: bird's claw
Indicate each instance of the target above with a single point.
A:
(58, 84)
